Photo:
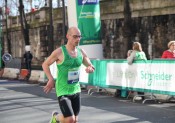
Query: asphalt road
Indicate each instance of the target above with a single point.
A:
(27, 103)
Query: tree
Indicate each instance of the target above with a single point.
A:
(127, 26)
(24, 24)
(6, 26)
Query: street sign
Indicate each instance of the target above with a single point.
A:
(6, 57)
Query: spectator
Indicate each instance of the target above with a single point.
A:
(28, 59)
(137, 54)
(170, 53)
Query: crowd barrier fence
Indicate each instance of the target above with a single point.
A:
(151, 76)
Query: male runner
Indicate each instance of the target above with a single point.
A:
(69, 58)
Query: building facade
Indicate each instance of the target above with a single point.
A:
(150, 22)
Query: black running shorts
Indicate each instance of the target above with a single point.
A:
(70, 104)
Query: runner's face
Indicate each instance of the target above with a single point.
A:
(75, 37)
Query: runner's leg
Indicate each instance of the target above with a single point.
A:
(66, 109)
(76, 104)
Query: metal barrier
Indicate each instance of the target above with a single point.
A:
(14, 63)
(153, 76)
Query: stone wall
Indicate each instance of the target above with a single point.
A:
(153, 32)
(113, 9)
(151, 22)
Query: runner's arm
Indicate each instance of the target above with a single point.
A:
(50, 60)
(86, 61)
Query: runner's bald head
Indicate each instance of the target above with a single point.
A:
(72, 29)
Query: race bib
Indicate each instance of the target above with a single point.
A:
(73, 76)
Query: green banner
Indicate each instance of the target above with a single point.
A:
(88, 19)
(153, 76)
(0, 43)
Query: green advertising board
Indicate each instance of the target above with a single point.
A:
(0, 43)
(89, 23)
(152, 76)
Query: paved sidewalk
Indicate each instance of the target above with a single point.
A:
(27, 103)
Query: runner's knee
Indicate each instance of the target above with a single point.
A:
(70, 119)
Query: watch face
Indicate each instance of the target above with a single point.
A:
(6, 57)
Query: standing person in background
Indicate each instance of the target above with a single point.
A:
(28, 60)
(69, 58)
(170, 53)
(137, 54)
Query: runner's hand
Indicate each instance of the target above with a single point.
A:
(90, 69)
(49, 86)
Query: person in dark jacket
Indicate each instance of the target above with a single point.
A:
(28, 59)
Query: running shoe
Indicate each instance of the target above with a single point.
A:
(53, 118)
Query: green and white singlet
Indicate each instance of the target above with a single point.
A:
(67, 81)
(140, 55)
